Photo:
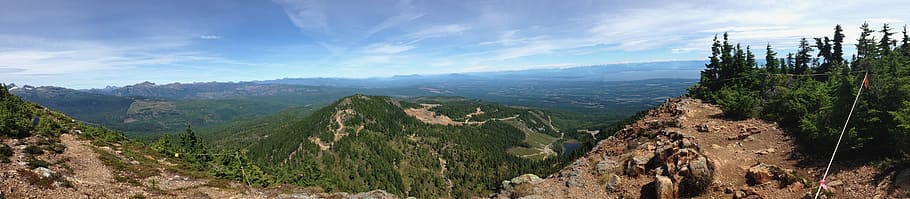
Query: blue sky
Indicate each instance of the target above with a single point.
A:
(93, 43)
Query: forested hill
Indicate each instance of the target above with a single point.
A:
(429, 148)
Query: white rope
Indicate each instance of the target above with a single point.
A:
(841, 135)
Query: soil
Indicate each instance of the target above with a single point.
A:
(732, 145)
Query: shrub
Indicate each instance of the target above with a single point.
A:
(35, 163)
(5, 152)
(33, 150)
(737, 103)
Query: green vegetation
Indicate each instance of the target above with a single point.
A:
(378, 146)
(811, 93)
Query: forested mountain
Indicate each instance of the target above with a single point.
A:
(428, 149)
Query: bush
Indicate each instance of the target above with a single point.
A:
(737, 103)
(33, 150)
(5, 152)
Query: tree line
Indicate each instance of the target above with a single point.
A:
(810, 92)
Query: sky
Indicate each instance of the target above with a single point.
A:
(96, 43)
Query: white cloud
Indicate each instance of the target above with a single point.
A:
(385, 48)
(46, 56)
(883, 20)
(209, 37)
(438, 31)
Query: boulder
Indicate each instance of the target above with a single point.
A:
(664, 188)
(638, 164)
(45, 172)
(573, 174)
(612, 182)
(702, 128)
(697, 177)
(526, 178)
(759, 174)
(605, 166)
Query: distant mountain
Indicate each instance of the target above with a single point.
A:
(609, 72)
(428, 148)
(169, 110)
(210, 90)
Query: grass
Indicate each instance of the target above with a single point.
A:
(125, 171)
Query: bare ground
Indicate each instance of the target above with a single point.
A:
(732, 153)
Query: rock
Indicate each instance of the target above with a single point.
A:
(45, 172)
(796, 186)
(526, 178)
(758, 174)
(835, 183)
(639, 163)
(612, 183)
(746, 194)
(574, 174)
(702, 128)
(663, 187)
(728, 190)
(739, 194)
(605, 166)
(373, 194)
(697, 177)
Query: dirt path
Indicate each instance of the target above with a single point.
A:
(733, 146)
(90, 176)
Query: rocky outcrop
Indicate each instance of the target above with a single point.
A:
(664, 188)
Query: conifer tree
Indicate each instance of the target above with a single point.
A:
(886, 43)
(771, 62)
(865, 45)
(838, 46)
(791, 64)
(802, 57)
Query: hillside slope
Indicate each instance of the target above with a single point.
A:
(437, 148)
(45, 154)
(685, 148)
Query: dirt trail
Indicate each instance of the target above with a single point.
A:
(733, 146)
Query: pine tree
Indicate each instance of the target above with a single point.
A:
(709, 75)
(838, 45)
(726, 60)
(783, 65)
(791, 64)
(905, 43)
(865, 45)
(803, 58)
(771, 62)
(886, 43)
(750, 60)
(824, 51)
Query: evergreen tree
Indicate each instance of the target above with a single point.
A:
(886, 43)
(838, 45)
(803, 58)
(771, 62)
(783, 65)
(726, 60)
(905, 43)
(709, 75)
(824, 51)
(865, 45)
(791, 64)
(750, 60)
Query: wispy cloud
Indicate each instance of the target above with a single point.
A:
(438, 31)
(209, 37)
(384, 48)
